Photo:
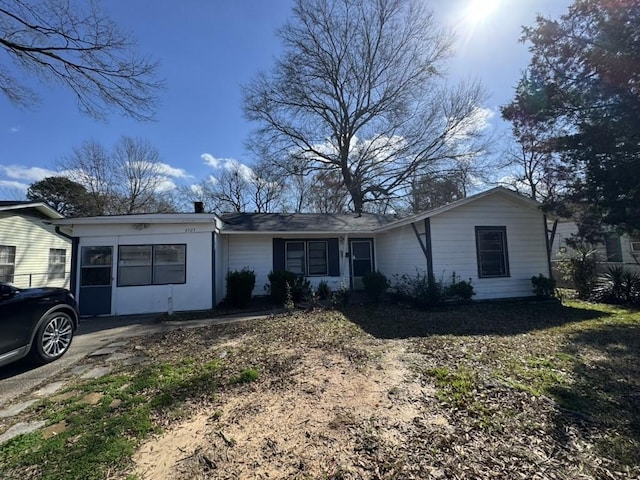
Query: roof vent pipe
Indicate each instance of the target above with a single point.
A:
(198, 207)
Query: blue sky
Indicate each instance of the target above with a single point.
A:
(208, 49)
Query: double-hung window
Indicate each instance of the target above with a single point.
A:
(307, 257)
(57, 263)
(612, 247)
(151, 264)
(7, 263)
(491, 247)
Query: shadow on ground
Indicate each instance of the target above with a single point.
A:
(604, 399)
(495, 318)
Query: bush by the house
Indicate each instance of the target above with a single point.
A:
(341, 296)
(417, 290)
(459, 290)
(424, 293)
(543, 287)
(375, 284)
(618, 285)
(324, 290)
(580, 270)
(285, 286)
(240, 286)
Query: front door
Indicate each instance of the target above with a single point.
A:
(361, 262)
(95, 280)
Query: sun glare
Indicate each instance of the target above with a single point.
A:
(478, 11)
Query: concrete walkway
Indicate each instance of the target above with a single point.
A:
(94, 352)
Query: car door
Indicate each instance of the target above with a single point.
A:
(15, 321)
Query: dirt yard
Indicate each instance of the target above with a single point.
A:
(364, 396)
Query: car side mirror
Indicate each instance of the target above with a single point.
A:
(6, 291)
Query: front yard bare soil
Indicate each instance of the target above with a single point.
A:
(522, 390)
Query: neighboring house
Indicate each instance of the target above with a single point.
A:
(155, 263)
(32, 252)
(614, 249)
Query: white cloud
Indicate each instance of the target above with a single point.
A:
(174, 172)
(229, 164)
(15, 129)
(21, 172)
(196, 189)
(165, 185)
(13, 184)
(212, 161)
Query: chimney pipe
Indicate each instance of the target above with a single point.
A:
(198, 207)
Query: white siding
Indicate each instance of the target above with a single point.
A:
(195, 294)
(33, 237)
(454, 246)
(256, 253)
(398, 251)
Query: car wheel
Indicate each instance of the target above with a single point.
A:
(53, 338)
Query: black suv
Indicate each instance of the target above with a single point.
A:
(38, 322)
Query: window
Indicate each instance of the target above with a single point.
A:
(318, 258)
(96, 267)
(295, 257)
(307, 258)
(634, 244)
(491, 245)
(612, 246)
(151, 264)
(7, 263)
(57, 263)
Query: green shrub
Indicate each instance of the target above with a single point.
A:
(424, 293)
(298, 288)
(341, 296)
(543, 287)
(417, 290)
(375, 284)
(618, 286)
(240, 286)
(459, 290)
(580, 270)
(324, 290)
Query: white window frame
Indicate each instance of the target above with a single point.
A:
(10, 263)
(504, 251)
(154, 265)
(306, 259)
(57, 259)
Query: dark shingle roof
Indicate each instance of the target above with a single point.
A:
(303, 222)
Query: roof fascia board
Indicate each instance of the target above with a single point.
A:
(296, 232)
(125, 220)
(459, 203)
(40, 206)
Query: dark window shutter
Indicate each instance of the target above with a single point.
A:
(334, 257)
(278, 254)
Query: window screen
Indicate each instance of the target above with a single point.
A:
(491, 245)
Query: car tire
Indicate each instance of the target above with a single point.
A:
(53, 338)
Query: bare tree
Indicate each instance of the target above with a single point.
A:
(80, 47)
(90, 166)
(238, 188)
(129, 179)
(533, 165)
(359, 91)
(267, 189)
(138, 176)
